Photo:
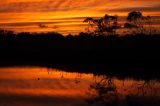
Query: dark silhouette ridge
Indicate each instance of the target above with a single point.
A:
(124, 56)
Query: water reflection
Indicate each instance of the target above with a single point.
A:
(37, 86)
(103, 91)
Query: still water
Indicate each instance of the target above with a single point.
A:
(39, 86)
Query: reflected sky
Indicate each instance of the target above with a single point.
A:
(38, 86)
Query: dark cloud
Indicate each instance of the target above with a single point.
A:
(154, 8)
(68, 5)
(47, 6)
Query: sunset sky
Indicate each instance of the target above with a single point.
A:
(13, 11)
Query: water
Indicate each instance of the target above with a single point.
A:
(39, 86)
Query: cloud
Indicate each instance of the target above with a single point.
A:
(154, 8)
(48, 5)
(80, 6)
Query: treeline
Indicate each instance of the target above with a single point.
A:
(113, 47)
(122, 56)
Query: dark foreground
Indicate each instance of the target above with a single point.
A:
(130, 55)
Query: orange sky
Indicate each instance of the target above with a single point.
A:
(79, 7)
(15, 11)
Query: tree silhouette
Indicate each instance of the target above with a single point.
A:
(137, 21)
(134, 19)
(134, 15)
(90, 22)
(107, 24)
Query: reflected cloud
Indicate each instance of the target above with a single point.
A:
(69, 5)
(37, 86)
(40, 100)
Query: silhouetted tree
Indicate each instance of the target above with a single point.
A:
(148, 22)
(107, 24)
(111, 23)
(137, 21)
(7, 34)
(90, 22)
(134, 19)
(134, 16)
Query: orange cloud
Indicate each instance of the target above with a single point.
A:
(34, 10)
(70, 5)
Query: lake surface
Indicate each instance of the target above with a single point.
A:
(40, 86)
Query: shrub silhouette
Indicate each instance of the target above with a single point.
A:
(134, 16)
(107, 24)
(137, 21)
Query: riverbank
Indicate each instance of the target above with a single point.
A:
(129, 55)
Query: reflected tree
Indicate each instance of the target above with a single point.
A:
(142, 89)
(78, 77)
(145, 88)
(103, 92)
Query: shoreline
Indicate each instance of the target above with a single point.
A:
(134, 55)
